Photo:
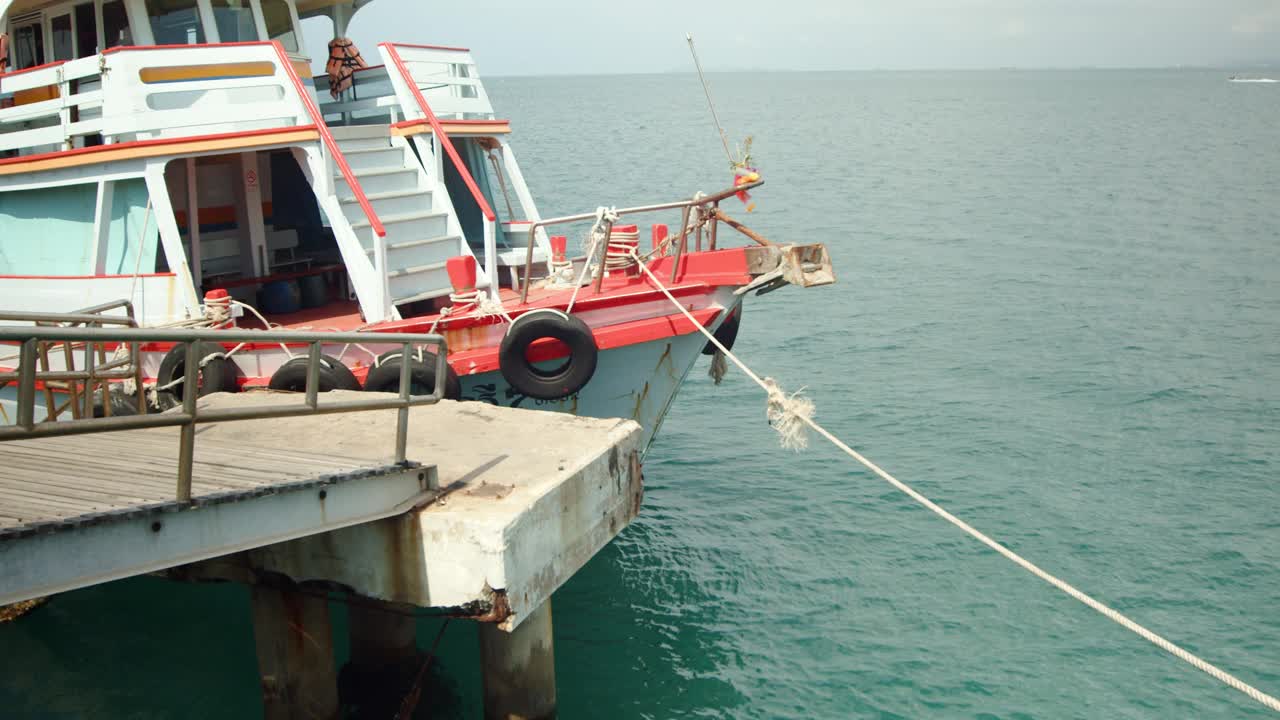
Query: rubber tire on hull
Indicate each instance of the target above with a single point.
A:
(726, 333)
(121, 404)
(217, 375)
(565, 380)
(422, 376)
(333, 375)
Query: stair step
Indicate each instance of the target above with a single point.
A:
(385, 179)
(428, 295)
(357, 138)
(401, 218)
(419, 253)
(419, 243)
(415, 270)
(395, 202)
(379, 157)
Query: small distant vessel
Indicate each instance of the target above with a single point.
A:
(1238, 79)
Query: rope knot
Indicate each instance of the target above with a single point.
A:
(789, 415)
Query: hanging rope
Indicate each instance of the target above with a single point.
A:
(791, 414)
(604, 215)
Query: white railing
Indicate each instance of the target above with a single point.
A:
(58, 103)
(129, 94)
(448, 79)
(370, 100)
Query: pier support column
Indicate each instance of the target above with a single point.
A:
(519, 669)
(295, 654)
(384, 657)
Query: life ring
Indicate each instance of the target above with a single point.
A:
(726, 333)
(333, 375)
(217, 374)
(385, 377)
(567, 378)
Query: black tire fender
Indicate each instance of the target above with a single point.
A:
(333, 375)
(385, 377)
(217, 374)
(553, 384)
(727, 332)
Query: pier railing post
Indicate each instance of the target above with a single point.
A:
(187, 443)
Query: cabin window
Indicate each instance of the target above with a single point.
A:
(28, 45)
(62, 219)
(115, 24)
(235, 21)
(63, 39)
(280, 23)
(86, 31)
(175, 22)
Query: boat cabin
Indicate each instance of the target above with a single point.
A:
(162, 149)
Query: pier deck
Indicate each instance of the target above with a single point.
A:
(496, 508)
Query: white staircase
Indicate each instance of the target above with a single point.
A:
(422, 230)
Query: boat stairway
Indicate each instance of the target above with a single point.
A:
(422, 231)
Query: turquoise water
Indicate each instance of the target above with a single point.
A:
(1058, 314)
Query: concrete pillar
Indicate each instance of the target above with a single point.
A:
(384, 660)
(295, 654)
(519, 669)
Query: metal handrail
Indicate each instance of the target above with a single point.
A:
(190, 414)
(686, 204)
(438, 129)
(103, 370)
(330, 142)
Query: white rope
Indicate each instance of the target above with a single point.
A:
(598, 235)
(793, 411)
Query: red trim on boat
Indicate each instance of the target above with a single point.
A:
(81, 277)
(129, 48)
(433, 47)
(153, 142)
(33, 68)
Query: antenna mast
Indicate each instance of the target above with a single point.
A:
(724, 139)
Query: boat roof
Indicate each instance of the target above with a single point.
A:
(306, 8)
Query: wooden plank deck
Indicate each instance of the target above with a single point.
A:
(79, 479)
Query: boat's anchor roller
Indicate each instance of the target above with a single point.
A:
(567, 378)
(385, 376)
(333, 375)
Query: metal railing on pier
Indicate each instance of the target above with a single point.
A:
(32, 339)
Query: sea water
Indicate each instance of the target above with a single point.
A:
(1058, 314)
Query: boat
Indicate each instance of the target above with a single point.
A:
(177, 164)
(1238, 79)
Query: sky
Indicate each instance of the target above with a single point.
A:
(537, 37)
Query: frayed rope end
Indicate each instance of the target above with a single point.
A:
(788, 415)
(719, 366)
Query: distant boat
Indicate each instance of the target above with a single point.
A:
(1238, 79)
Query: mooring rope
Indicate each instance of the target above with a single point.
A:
(789, 414)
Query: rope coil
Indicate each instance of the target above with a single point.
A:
(792, 414)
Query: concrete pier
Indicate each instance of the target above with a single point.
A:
(496, 509)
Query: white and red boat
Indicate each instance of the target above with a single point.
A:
(171, 155)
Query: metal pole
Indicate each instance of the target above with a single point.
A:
(528, 265)
(187, 437)
(680, 243)
(27, 385)
(604, 254)
(313, 375)
(402, 417)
